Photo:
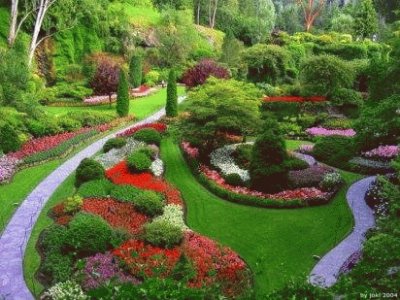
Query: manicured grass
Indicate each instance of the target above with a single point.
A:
(292, 145)
(32, 257)
(140, 107)
(12, 194)
(278, 244)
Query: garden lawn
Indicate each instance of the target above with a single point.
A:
(292, 145)
(278, 244)
(139, 107)
(23, 182)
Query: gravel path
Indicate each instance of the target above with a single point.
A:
(326, 271)
(15, 237)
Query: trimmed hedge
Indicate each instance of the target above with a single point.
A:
(97, 188)
(88, 170)
(148, 135)
(163, 233)
(138, 162)
(116, 143)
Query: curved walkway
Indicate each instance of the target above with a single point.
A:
(326, 271)
(15, 237)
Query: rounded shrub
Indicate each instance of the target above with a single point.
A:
(234, 179)
(148, 135)
(294, 163)
(149, 203)
(88, 170)
(138, 162)
(96, 188)
(73, 204)
(117, 143)
(163, 234)
(9, 141)
(125, 192)
(335, 150)
(68, 124)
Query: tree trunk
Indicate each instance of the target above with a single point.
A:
(110, 99)
(198, 13)
(214, 16)
(13, 22)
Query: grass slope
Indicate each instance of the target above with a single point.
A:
(277, 244)
(140, 107)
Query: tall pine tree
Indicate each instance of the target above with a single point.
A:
(123, 95)
(135, 70)
(171, 107)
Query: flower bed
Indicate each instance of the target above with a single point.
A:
(160, 127)
(383, 152)
(8, 167)
(370, 166)
(321, 131)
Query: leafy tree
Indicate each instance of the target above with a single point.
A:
(366, 20)
(343, 23)
(388, 9)
(105, 80)
(136, 70)
(218, 108)
(202, 71)
(171, 107)
(231, 49)
(123, 95)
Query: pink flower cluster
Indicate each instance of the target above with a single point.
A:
(296, 194)
(306, 149)
(160, 127)
(383, 152)
(96, 100)
(321, 131)
(8, 166)
(192, 152)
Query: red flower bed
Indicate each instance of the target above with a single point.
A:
(117, 214)
(297, 194)
(208, 258)
(120, 174)
(160, 127)
(295, 99)
(146, 260)
(141, 89)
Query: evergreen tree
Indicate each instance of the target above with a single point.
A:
(366, 20)
(123, 95)
(171, 107)
(231, 50)
(135, 70)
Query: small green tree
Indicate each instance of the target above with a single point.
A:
(9, 140)
(123, 95)
(135, 70)
(366, 20)
(171, 107)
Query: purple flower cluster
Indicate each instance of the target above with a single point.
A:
(306, 149)
(350, 262)
(102, 268)
(309, 177)
(8, 166)
(321, 131)
(383, 152)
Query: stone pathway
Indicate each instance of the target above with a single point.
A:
(15, 237)
(326, 271)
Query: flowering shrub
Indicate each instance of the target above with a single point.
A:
(174, 214)
(309, 177)
(65, 290)
(383, 152)
(8, 166)
(192, 152)
(222, 159)
(160, 127)
(306, 149)
(102, 268)
(157, 167)
(370, 166)
(146, 260)
(331, 181)
(320, 131)
(117, 214)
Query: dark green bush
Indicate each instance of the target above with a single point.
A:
(163, 233)
(9, 141)
(88, 234)
(234, 179)
(171, 108)
(57, 267)
(149, 203)
(43, 127)
(96, 188)
(348, 51)
(348, 101)
(123, 95)
(117, 143)
(335, 150)
(125, 192)
(294, 163)
(138, 162)
(242, 155)
(68, 124)
(88, 170)
(148, 135)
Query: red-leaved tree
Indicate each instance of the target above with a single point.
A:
(206, 68)
(105, 80)
(311, 9)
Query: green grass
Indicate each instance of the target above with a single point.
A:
(139, 16)
(32, 257)
(292, 145)
(12, 194)
(140, 107)
(278, 244)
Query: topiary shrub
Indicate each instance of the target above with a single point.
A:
(136, 70)
(149, 203)
(267, 169)
(234, 179)
(96, 188)
(163, 234)
(138, 162)
(9, 141)
(125, 192)
(88, 233)
(123, 95)
(117, 143)
(171, 107)
(88, 170)
(148, 135)
(335, 150)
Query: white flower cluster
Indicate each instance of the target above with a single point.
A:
(65, 290)
(173, 214)
(114, 156)
(222, 158)
(157, 167)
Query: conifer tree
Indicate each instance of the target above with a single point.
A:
(123, 95)
(171, 107)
